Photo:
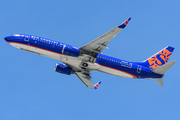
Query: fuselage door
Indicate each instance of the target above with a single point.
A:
(26, 38)
(139, 67)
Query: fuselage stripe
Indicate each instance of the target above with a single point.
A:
(118, 70)
(37, 47)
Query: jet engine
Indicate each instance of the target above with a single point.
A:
(63, 69)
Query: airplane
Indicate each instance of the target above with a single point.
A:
(81, 61)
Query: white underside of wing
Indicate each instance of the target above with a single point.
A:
(101, 42)
(86, 81)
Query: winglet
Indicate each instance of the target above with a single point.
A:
(123, 25)
(97, 85)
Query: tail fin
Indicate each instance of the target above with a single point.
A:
(161, 70)
(159, 58)
(97, 85)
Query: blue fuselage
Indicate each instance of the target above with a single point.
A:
(134, 69)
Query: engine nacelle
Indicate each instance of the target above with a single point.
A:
(71, 51)
(63, 69)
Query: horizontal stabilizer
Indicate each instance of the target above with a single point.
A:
(159, 81)
(97, 85)
(163, 68)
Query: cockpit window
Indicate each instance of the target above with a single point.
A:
(16, 34)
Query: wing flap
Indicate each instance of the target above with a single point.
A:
(85, 79)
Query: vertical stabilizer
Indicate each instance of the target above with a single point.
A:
(159, 58)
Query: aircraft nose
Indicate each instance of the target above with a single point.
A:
(8, 38)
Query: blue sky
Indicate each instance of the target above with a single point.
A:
(30, 89)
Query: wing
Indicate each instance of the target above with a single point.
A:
(86, 79)
(84, 75)
(101, 42)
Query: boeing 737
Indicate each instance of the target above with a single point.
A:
(81, 61)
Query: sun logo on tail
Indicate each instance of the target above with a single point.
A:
(160, 58)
